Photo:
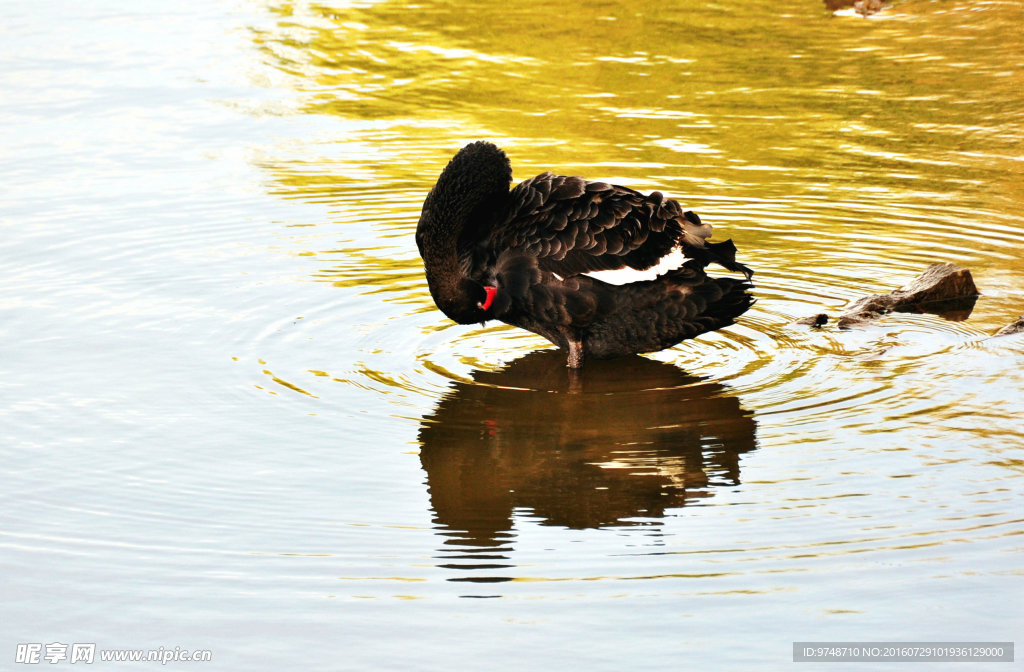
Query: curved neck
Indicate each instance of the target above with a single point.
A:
(462, 203)
(443, 270)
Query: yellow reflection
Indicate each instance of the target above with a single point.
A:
(865, 130)
(619, 445)
(290, 386)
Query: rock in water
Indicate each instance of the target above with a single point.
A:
(862, 7)
(1012, 328)
(945, 289)
(819, 320)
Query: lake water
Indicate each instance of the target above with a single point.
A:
(233, 421)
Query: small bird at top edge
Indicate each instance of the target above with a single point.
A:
(542, 256)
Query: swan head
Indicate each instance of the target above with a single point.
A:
(472, 302)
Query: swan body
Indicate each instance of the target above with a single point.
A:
(536, 256)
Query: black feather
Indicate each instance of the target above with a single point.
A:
(536, 242)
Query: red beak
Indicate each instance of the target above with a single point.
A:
(491, 292)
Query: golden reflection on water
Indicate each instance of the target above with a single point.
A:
(618, 445)
(760, 94)
(228, 391)
(835, 145)
(842, 154)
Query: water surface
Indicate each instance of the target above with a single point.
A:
(233, 419)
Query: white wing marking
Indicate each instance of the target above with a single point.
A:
(622, 276)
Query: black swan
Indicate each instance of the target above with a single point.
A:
(526, 256)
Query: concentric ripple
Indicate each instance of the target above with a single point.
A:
(230, 407)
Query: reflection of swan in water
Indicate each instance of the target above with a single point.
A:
(626, 439)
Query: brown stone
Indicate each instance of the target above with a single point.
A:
(943, 289)
(862, 7)
(858, 320)
(814, 320)
(1012, 328)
